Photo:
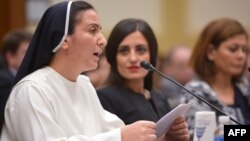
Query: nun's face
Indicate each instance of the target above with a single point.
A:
(87, 43)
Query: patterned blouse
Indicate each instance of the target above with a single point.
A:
(239, 111)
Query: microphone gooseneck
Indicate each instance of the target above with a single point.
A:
(150, 67)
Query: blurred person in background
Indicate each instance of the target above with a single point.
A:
(248, 65)
(99, 76)
(14, 45)
(129, 93)
(176, 66)
(1, 62)
(219, 60)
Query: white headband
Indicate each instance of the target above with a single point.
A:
(66, 27)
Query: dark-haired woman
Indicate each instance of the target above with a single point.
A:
(130, 94)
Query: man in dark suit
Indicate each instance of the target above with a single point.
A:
(14, 47)
(6, 81)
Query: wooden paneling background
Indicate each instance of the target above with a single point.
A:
(12, 15)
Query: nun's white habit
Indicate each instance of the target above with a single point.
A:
(43, 105)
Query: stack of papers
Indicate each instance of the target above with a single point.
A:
(163, 125)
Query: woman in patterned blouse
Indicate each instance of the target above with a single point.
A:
(219, 61)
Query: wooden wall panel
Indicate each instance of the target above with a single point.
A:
(12, 15)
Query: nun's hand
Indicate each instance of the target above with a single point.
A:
(139, 131)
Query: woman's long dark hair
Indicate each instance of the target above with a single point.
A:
(119, 32)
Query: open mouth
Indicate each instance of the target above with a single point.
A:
(96, 54)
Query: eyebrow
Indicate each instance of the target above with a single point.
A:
(96, 25)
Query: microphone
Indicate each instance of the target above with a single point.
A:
(150, 67)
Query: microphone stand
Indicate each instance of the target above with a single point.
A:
(152, 68)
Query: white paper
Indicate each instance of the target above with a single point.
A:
(163, 125)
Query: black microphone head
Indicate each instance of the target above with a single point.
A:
(146, 66)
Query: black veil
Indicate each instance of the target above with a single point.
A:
(48, 35)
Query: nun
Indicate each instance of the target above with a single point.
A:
(50, 99)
